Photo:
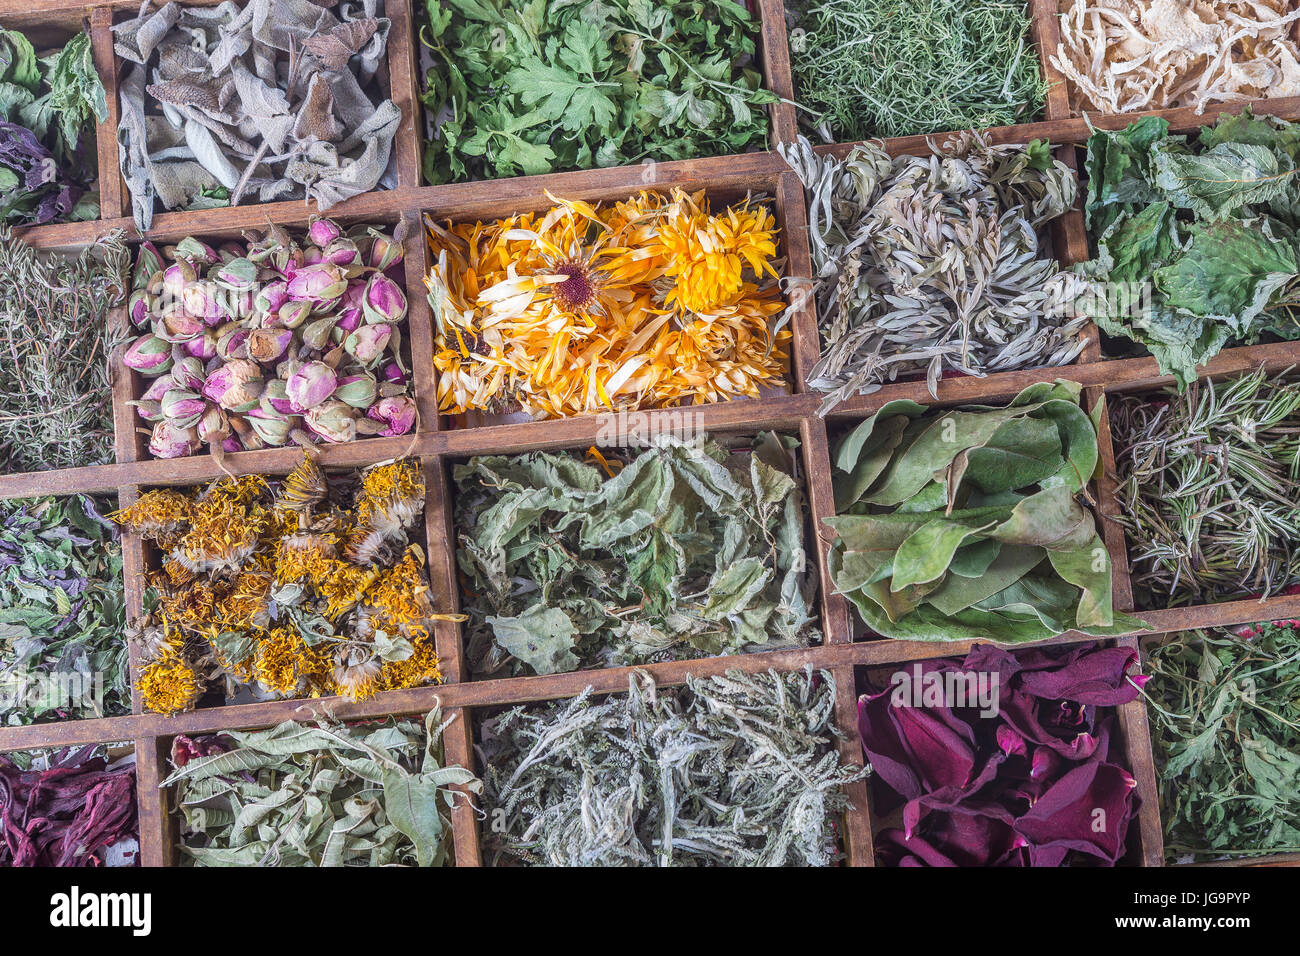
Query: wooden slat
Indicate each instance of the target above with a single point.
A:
(112, 188)
(775, 52)
(1133, 726)
(857, 822)
(1046, 33)
(404, 88)
(836, 623)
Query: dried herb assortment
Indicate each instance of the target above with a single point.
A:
(1225, 719)
(308, 586)
(867, 68)
(653, 301)
(56, 343)
(328, 794)
(254, 102)
(1209, 489)
(49, 103)
(1195, 236)
(62, 612)
(1120, 56)
(1040, 781)
(549, 85)
(968, 524)
(279, 340)
(74, 807)
(735, 770)
(690, 549)
(934, 263)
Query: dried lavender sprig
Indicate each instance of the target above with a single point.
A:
(1210, 488)
(56, 406)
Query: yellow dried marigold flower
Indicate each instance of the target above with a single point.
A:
(418, 669)
(303, 488)
(169, 685)
(155, 513)
(222, 535)
(285, 665)
(356, 672)
(305, 555)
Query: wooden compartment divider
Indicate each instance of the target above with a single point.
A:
(438, 446)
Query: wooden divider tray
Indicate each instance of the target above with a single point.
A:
(438, 442)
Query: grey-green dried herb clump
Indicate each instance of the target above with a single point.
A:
(927, 263)
(1225, 722)
(273, 99)
(692, 549)
(323, 795)
(1209, 489)
(56, 390)
(867, 68)
(738, 770)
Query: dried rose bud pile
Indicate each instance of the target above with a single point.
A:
(306, 586)
(271, 341)
(578, 309)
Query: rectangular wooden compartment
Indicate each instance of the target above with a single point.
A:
(436, 443)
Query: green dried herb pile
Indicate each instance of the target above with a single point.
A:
(374, 794)
(728, 771)
(692, 549)
(62, 612)
(549, 85)
(1209, 489)
(869, 68)
(969, 524)
(1196, 236)
(936, 263)
(1225, 720)
(56, 391)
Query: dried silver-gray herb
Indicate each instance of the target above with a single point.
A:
(738, 770)
(275, 99)
(927, 262)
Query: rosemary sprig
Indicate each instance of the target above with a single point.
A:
(1210, 488)
(866, 68)
(55, 381)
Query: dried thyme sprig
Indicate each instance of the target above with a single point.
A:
(55, 382)
(927, 262)
(1225, 717)
(737, 771)
(866, 68)
(1209, 488)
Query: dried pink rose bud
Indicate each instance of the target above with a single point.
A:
(384, 301)
(232, 344)
(332, 420)
(397, 413)
(150, 411)
(148, 355)
(196, 251)
(271, 427)
(357, 390)
(176, 277)
(213, 426)
(204, 347)
(385, 251)
(203, 300)
(148, 262)
(271, 296)
(140, 306)
(367, 343)
(177, 325)
(341, 252)
(323, 231)
(395, 373)
(235, 386)
(236, 274)
(319, 283)
(169, 440)
(349, 320)
(316, 335)
(267, 345)
(293, 314)
(183, 407)
(159, 387)
(310, 385)
(275, 398)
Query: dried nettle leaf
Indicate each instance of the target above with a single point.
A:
(549, 85)
(1225, 721)
(1209, 488)
(735, 770)
(56, 390)
(967, 524)
(48, 107)
(923, 263)
(275, 99)
(328, 794)
(692, 549)
(1198, 233)
(62, 612)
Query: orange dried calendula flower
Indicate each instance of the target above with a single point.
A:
(649, 302)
